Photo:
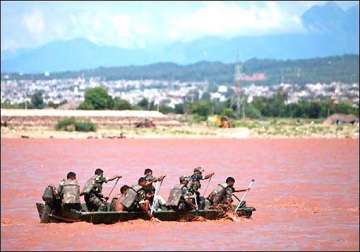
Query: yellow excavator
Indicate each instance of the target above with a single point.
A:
(221, 121)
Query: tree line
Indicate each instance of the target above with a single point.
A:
(98, 99)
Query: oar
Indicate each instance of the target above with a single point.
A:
(236, 197)
(117, 180)
(243, 197)
(157, 191)
(207, 187)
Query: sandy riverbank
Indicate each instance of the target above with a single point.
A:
(194, 131)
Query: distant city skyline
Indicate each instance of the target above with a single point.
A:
(146, 24)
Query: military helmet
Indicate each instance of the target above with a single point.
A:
(198, 169)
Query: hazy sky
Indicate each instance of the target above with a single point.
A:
(142, 24)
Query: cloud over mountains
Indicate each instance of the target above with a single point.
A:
(47, 38)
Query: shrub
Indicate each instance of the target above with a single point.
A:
(63, 124)
(85, 126)
(198, 118)
(70, 124)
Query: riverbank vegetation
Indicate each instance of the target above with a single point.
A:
(258, 108)
(71, 124)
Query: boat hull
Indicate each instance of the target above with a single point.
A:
(110, 217)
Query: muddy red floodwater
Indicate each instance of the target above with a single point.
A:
(306, 193)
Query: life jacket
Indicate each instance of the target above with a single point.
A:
(70, 192)
(217, 195)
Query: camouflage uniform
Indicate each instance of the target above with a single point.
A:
(93, 196)
(194, 186)
(149, 188)
(186, 193)
(141, 196)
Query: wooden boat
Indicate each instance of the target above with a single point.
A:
(109, 217)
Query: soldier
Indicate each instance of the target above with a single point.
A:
(116, 202)
(135, 198)
(222, 195)
(150, 179)
(94, 199)
(195, 184)
(149, 188)
(52, 203)
(69, 192)
(179, 196)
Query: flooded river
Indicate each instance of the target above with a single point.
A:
(306, 193)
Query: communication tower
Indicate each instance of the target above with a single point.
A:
(238, 94)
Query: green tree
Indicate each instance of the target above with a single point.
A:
(180, 108)
(37, 100)
(251, 111)
(165, 109)
(201, 108)
(144, 103)
(314, 110)
(228, 112)
(121, 104)
(344, 108)
(97, 98)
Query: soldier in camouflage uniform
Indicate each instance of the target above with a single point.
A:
(222, 195)
(180, 198)
(135, 198)
(69, 192)
(116, 201)
(150, 179)
(149, 187)
(52, 203)
(94, 199)
(195, 185)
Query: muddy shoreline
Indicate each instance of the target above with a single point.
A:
(188, 132)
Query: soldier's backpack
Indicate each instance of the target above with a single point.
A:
(174, 197)
(130, 197)
(219, 192)
(49, 194)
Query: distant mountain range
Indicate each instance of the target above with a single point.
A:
(330, 31)
(260, 71)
